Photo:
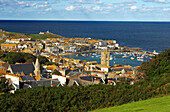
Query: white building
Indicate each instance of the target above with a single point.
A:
(61, 78)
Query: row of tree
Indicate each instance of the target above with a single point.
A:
(16, 57)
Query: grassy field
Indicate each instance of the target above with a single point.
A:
(21, 35)
(161, 104)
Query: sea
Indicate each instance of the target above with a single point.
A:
(146, 35)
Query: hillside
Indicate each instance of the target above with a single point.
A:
(161, 104)
(4, 35)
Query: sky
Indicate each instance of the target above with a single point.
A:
(97, 10)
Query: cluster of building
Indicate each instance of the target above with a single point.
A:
(72, 72)
(57, 45)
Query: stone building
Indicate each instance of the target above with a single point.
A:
(105, 56)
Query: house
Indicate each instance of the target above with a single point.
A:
(13, 41)
(28, 50)
(48, 69)
(20, 82)
(88, 80)
(14, 79)
(44, 82)
(52, 49)
(8, 47)
(21, 46)
(25, 69)
(103, 68)
(42, 33)
(61, 78)
(22, 69)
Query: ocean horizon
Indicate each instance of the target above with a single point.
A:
(148, 35)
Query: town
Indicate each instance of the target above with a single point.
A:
(69, 71)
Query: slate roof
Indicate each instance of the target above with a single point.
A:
(27, 78)
(120, 69)
(39, 83)
(74, 73)
(25, 68)
(89, 78)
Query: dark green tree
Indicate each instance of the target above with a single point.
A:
(56, 72)
(4, 85)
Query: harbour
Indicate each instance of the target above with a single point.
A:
(116, 58)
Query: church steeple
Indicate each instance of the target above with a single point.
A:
(37, 68)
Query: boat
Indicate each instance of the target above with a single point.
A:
(140, 59)
(111, 58)
(124, 56)
(85, 56)
(124, 60)
(132, 58)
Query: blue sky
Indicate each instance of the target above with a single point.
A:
(109, 10)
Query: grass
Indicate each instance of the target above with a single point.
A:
(45, 36)
(34, 36)
(161, 104)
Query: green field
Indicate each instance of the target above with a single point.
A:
(161, 104)
(21, 35)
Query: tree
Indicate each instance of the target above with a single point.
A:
(56, 72)
(4, 85)
(29, 61)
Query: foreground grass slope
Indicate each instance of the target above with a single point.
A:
(161, 104)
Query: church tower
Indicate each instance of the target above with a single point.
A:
(105, 56)
(37, 68)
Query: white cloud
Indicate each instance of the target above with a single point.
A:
(41, 5)
(158, 1)
(97, 8)
(70, 8)
(22, 2)
(32, 4)
(133, 7)
(161, 1)
(87, 2)
(166, 9)
(48, 9)
(99, 2)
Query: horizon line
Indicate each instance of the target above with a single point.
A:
(85, 20)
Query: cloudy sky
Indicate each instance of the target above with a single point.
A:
(111, 10)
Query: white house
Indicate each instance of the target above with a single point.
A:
(103, 68)
(61, 78)
(14, 79)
